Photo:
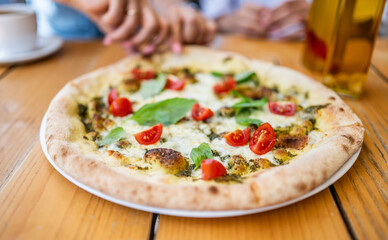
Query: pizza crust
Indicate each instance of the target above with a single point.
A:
(79, 158)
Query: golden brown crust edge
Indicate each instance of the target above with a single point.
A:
(269, 187)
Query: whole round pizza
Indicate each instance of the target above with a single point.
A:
(204, 130)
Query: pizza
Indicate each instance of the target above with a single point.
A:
(204, 130)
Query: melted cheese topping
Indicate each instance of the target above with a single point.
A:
(186, 135)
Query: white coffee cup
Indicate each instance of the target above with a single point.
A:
(17, 29)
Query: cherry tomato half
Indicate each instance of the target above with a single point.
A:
(143, 74)
(263, 140)
(282, 108)
(113, 95)
(175, 84)
(212, 169)
(149, 136)
(121, 107)
(238, 137)
(225, 86)
(201, 113)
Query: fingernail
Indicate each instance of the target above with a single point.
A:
(129, 51)
(177, 48)
(127, 44)
(149, 49)
(107, 41)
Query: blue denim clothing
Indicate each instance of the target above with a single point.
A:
(58, 19)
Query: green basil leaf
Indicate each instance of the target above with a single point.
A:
(166, 112)
(153, 87)
(244, 76)
(237, 94)
(217, 74)
(248, 121)
(249, 103)
(198, 154)
(113, 136)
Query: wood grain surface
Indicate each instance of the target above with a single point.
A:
(314, 218)
(380, 58)
(36, 202)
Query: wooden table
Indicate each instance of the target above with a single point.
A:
(36, 202)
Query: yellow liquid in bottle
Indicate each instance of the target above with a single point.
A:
(340, 45)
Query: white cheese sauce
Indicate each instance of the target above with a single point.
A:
(186, 135)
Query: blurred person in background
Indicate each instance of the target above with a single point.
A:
(133, 23)
(275, 19)
(144, 25)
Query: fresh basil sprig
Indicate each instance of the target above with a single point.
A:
(217, 74)
(249, 103)
(241, 77)
(244, 76)
(198, 154)
(113, 136)
(248, 121)
(166, 112)
(244, 109)
(153, 87)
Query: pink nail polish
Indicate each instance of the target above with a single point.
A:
(107, 41)
(149, 49)
(127, 44)
(177, 48)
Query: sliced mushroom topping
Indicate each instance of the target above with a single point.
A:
(97, 122)
(226, 112)
(257, 92)
(123, 144)
(130, 85)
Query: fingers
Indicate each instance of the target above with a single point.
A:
(250, 28)
(176, 32)
(148, 31)
(163, 33)
(249, 20)
(201, 31)
(195, 29)
(289, 11)
(298, 35)
(115, 14)
(211, 30)
(190, 29)
(127, 27)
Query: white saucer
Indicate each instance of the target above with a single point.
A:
(192, 213)
(45, 46)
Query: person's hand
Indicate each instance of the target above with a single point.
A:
(287, 20)
(107, 14)
(250, 20)
(189, 26)
(132, 22)
(142, 29)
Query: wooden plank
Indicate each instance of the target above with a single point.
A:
(3, 71)
(380, 56)
(27, 90)
(314, 218)
(366, 182)
(363, 190)
(39, 203)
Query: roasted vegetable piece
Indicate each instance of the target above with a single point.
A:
(166, 159)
